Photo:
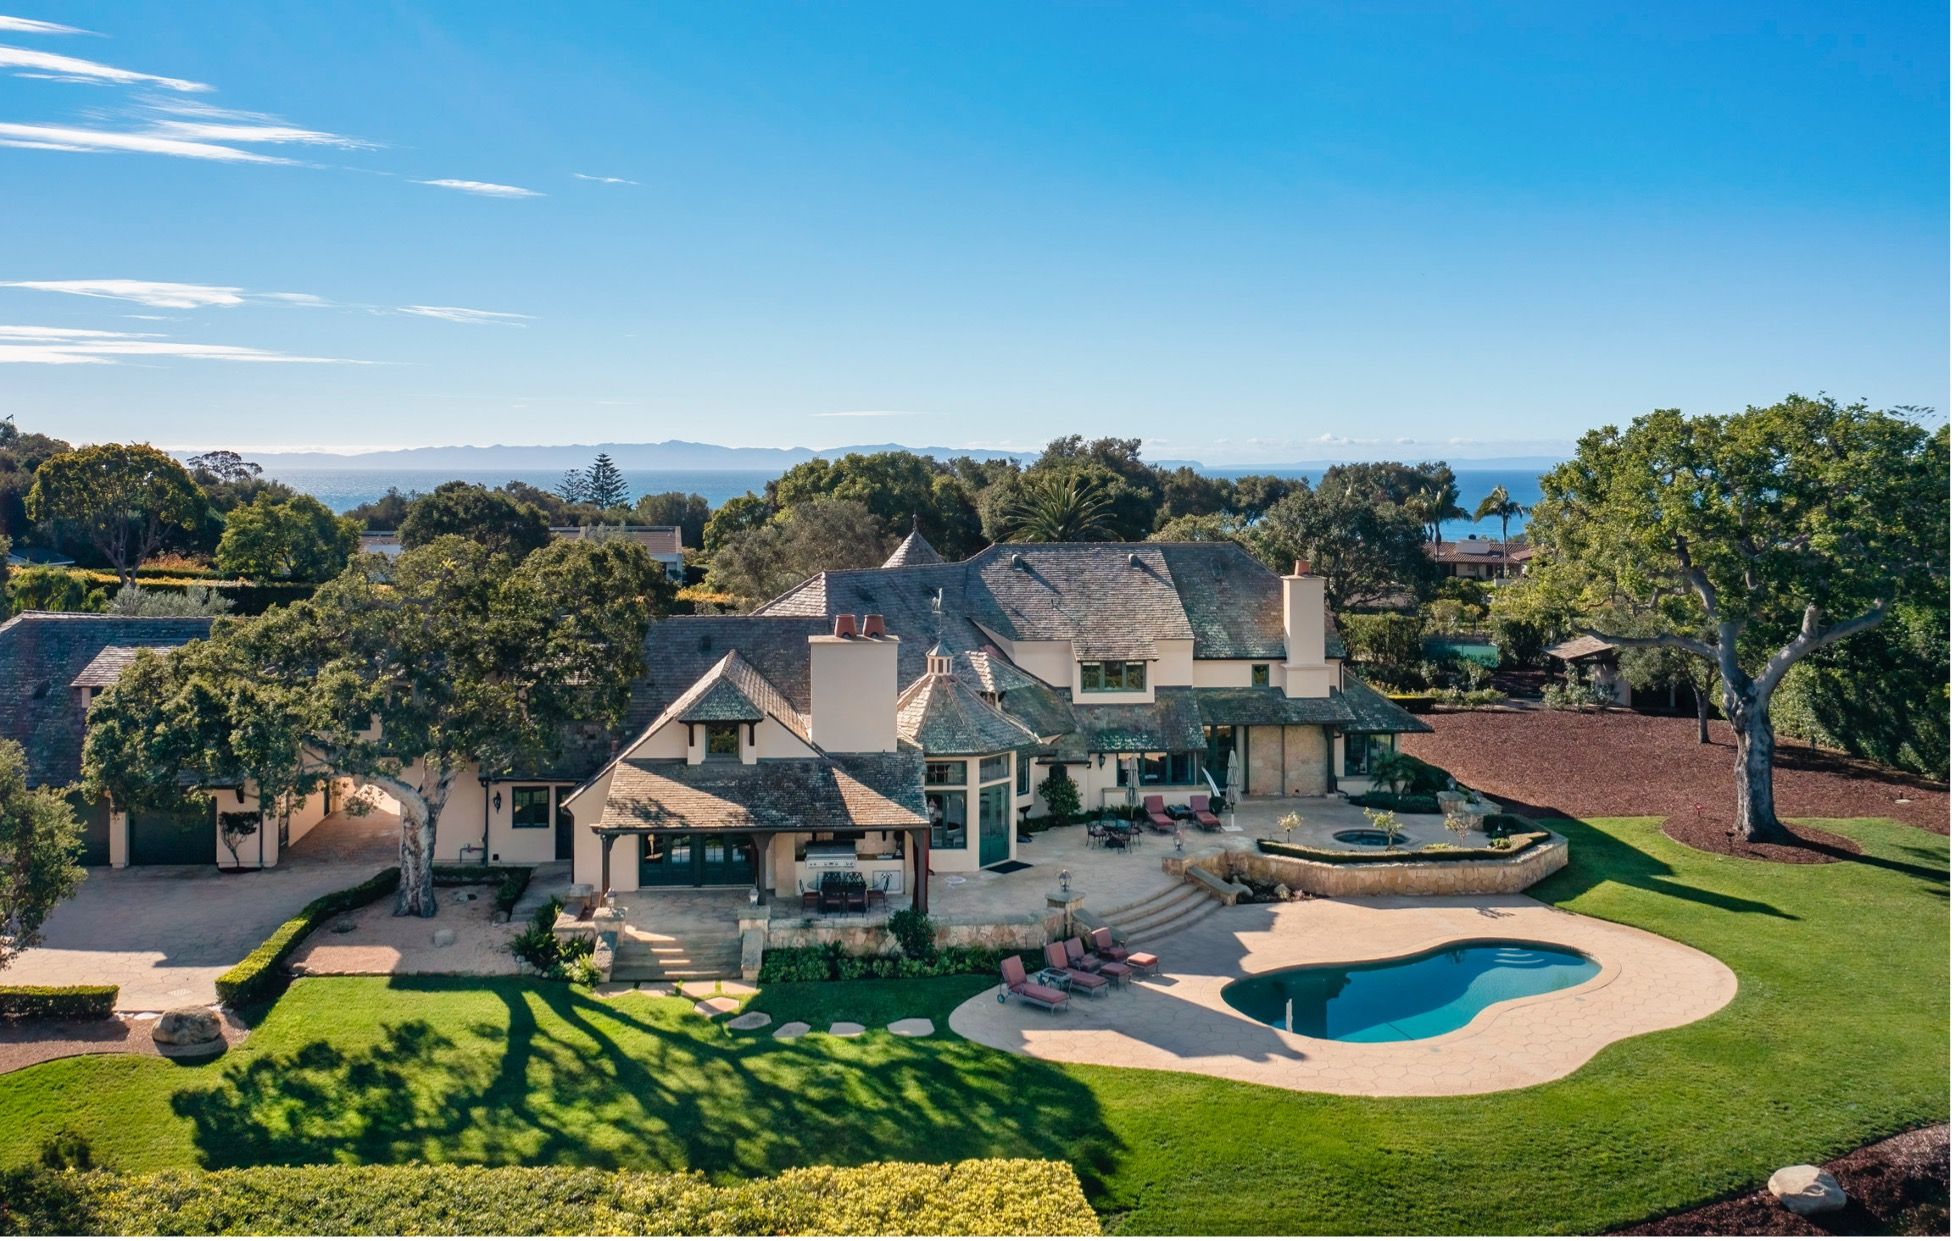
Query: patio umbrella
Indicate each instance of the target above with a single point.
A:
(1231, 779)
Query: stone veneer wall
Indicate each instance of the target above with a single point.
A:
(872, 939)
(1412, 877)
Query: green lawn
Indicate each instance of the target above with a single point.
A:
(1839, 1035)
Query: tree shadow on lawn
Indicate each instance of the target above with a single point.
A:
(566, 1078)
(1599, 857)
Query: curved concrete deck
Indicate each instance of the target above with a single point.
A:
(1181, 1023)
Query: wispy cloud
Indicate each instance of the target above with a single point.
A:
(76, 138)
(27, 25)
(488, 189)
(603, 180)
(870, 413)
(25, 62)
(223, 131)
(463, 314)
(162, 294)
(51, 346)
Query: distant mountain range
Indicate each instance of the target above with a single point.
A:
(690, 455)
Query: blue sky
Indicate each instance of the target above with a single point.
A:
(1259, 232)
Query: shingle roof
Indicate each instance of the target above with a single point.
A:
(1111, 601)
(1246, 705)
(106, 668)
(1374, 714)
(1479, 551)
(914, 550)
(1171, 723)
(942, 715)
(44, 655)
(1580, 647)
(851, 791)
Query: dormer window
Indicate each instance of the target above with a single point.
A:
(1261, 675)
(723, 742)
(1114, 676)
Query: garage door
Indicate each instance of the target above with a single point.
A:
(186, 836)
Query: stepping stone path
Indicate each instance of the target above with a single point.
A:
(792, 1030)
(702, 988)
(717, 1006)
(911, 1027)
(750, 1021)
(845, 1029)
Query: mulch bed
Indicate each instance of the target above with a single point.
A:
(30, 1042)
(1898, 1187)
(1579, 765)
(1809, 845)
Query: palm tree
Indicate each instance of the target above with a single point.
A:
(1432, 506)
(1061, 509)
(1498, 504)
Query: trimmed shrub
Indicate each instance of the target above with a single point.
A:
(84, 1003)
(1508, 847)
(1062, 795)
(978, 1196)
(916, 937)
(1519, 643)
(829, 963)
(1388, 641)
(260, 975)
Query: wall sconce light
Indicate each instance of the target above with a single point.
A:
(496, 800)
(240, 791)
(1101, 760)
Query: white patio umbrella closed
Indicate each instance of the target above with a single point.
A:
(1232, 777)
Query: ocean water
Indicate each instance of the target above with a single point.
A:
(342, 489)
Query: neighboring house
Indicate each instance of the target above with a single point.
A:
(1481, 558)
(52, 666)
(662, 543)
(38, 557)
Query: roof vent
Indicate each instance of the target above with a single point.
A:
(1018, 561)
(1135, 560)
(846, 626)
(706, 641)
(1301, 568)
(873, 625)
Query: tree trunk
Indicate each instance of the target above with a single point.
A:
(419, 814)
(1703, 708)
(1753, 769)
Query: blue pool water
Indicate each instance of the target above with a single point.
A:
(1407, 997)
(1483, 653)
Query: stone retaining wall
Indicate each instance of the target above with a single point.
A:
(872, 939)
(1409, 877)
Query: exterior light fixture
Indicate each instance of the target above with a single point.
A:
(496, 800)
(1066, 878)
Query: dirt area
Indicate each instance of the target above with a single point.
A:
(30, 1042)
(1575, 765)
(372, 940)
(1810, 845)
(1897, 1187)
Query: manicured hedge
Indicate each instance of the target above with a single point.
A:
(1407, 803)
(58, 1003)
(977, 1197)
(260, 974)
(829, 963)
(510, 881)
(1403, 853)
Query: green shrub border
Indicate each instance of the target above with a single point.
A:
(510, 881)
(1518, 843)
(83, 1003)
(259, 975)
(829, 963)
(1001, 1197)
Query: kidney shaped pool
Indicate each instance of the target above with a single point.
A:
(1406, 997)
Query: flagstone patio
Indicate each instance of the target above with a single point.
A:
(1180, 1022)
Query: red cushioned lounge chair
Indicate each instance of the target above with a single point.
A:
(1078, 957)
(1014, 976)
(1200, 811)
(1106, 947)
(1077, 980)
(1152, 809)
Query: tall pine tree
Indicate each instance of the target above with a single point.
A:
(604, 485)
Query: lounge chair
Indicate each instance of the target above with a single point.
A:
(1105, 946)
(1152, 809)
(1078, 957)
(1077, 980)
(1013, 975)
(1201, 812)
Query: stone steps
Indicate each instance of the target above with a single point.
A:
(650, 957)
(1171, 927)
(1160, 897)
(1168, 914)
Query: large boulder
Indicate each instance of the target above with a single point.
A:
(188, 1027)
(1806, 1190)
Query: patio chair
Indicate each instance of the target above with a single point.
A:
(811, 898)
(1013, 976)
(1152, 809)
(1097, 835)
(1105, 946)
(856, 899)
(1201, 812)
(1078, 957)
(1077, 980)
(880, 894)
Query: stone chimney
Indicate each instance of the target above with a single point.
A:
(853, 688)
(1305, 617)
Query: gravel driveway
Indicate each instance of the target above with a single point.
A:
(164, 933)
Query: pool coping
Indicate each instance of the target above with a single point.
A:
(1179, 1022)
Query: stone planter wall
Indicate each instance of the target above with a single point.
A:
(1408, 877)
(872, 939)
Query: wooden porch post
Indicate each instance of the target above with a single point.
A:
(605, 841)
(762, 846)
(921, 886)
